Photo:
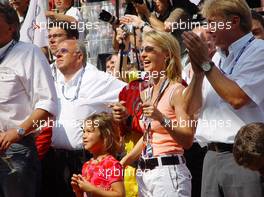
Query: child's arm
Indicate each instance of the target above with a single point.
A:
(134, 154)
(118, 189)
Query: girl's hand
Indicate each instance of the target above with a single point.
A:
(84, 185)
(74, 183)
(151, 111)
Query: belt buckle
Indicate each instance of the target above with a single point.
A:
(216, 148)
(142, 164)
(213, 147)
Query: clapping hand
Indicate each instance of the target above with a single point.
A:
(80, 184)
(198, 50)
(74, 184)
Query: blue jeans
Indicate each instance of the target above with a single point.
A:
(20, 170)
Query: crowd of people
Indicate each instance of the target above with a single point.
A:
(179, 110)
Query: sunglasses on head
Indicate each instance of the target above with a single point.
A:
(64, 51)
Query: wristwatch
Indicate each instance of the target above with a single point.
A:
(207, 66)
(21, 132)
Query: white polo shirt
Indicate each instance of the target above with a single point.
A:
(218, 121)
(96, 90)
(25, 84)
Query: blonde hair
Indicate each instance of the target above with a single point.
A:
(169, 44)
(228, 8)
(109, 131)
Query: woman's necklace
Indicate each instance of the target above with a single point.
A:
(99, 158)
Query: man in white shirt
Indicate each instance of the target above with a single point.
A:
(27, 100)
(82, 92)
(231, 97)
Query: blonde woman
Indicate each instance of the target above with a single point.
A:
(162, 170)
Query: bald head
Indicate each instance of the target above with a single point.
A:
(71, 56)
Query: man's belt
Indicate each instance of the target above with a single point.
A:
(220, 147)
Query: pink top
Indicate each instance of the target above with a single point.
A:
(104, 173)
(161, 140)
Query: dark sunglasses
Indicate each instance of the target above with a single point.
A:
(147, 49)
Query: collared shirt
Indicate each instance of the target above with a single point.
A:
(4, 48)
(97, 90)
(25, 85)
(219, 121)
(57, 74)
(219, 57)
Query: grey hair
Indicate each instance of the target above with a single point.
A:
(81, 47)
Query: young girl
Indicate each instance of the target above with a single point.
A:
(102, 175)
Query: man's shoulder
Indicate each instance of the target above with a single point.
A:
(22, 44)
(23, 47)
(24, 50)
(258, 43)
(255, 50)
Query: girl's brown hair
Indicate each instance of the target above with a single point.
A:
(109, 131)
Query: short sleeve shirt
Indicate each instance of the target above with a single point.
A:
(104, 173)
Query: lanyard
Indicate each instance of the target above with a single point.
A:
(6, 52)
(148, 149)
(77, 89)
(238, 56)
(162, 89)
